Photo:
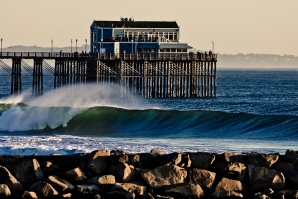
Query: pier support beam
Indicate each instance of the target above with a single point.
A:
(92, 71)
(16, 76)
(37, 82)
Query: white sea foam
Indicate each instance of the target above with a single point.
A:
(68, 144)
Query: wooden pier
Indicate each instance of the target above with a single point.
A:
(145, 75)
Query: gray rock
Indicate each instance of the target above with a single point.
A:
(201, 160)
(104, 181)
(291, 156)
(202, 177)
(28, 171)
(29, 195)
(262, 160)
(74, 175)
(123, 172)
(163, 197)
(98, 162)
(4, 191)
(157, 152)
(43, 189)
(48, 168)
(169, 159)
(228, 188)
(86, 189)
(137, 188)
(290, 173)
(7, 178)
(186, 190)
(164, 176)
(263, 178)
(147, 196)
(119, 195)
(61, 185)
(233, 157)
(67, 196)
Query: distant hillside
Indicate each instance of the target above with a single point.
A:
(44, 49)
(257, 61)
(224, 60)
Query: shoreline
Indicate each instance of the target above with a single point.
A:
(118, 174)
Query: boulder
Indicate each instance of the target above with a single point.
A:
(4, 191)
(286, 194)
(201, 160)
(157, 152)
(28, 171)
(235, 170)
(233, 157)
(291, 156)
(74, 175)
(7, 178)
(104, 181)
(262, 160)
(163, 197)
(164, 176)
(202, 177)
(43, 189)
(66, 196)
(61, 185)
(29, 195)
(169, 159)
(228, 188)
(290, 173)
(186, 190)
(119, 195)
(68, 162)
(147, 160)
(263, 178)
(123, 172)
(98, 161)
(48, 168)
(137, 188)
(147, 196)
(87, 189)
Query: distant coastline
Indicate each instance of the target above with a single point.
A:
(229, 61)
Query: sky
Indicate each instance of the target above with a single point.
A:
(235, 26)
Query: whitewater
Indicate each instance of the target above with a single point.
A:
(255, 110)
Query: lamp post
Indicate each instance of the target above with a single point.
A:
(86, 45)
(71, 45)
(1, 46)
(51, 46)
(212, 46)
(76, 45)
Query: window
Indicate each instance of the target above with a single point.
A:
(93, 37)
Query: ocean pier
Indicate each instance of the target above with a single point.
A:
(145, 75)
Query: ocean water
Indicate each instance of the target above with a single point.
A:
(254, 111)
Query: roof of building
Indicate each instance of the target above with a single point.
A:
(137, 24)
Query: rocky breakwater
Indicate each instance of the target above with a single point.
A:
(155, 175)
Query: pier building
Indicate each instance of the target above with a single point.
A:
(130, 36)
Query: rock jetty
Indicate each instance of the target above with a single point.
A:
(106, 174)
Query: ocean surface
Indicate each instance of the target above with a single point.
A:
(254, 111)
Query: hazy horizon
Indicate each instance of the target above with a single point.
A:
(259, 27)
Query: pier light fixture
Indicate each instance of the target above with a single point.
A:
(71, 45)
(76, 45)
(212, 46)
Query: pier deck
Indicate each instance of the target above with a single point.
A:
(146, 75)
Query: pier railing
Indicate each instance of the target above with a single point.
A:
(110, 56)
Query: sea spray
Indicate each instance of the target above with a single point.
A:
(57, 107)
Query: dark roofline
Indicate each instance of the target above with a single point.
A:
(137, 24)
